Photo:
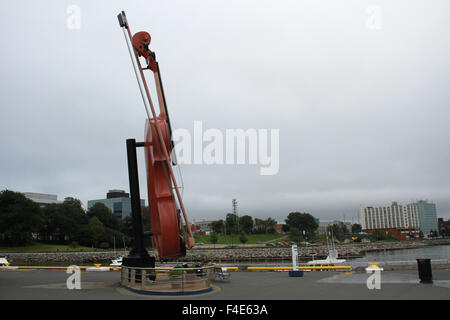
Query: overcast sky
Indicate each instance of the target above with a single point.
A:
(359, 91)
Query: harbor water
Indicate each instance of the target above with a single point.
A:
(437, 254)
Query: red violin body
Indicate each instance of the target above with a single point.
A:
(163, 211)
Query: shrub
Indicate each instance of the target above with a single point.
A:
(74, 244)
(104, 245)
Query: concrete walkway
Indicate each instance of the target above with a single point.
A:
(51, 284)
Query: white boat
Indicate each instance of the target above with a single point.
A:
(4, 262)
(332, 257)
(116, 262)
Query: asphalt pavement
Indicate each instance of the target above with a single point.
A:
(51, 284)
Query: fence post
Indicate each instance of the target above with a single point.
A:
(143, 275)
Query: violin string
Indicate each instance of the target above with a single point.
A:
(174, 156)
(181, 178)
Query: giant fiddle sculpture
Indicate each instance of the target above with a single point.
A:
(165, 220)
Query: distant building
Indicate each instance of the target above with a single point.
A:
(43, 199)
(404, 221)
(399, 233)
(117, 194)
(444, 227)
(398, 219)
(323, 226)
(427, 217)
(280, 227)
(202, 227)
(118, 201)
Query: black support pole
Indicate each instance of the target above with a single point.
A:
(138, 256)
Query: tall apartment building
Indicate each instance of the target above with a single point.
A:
(393, 216)
(401, 219)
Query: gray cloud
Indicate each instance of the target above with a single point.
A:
(363, 114)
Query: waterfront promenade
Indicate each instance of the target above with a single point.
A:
(51, 284)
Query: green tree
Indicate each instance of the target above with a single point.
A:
(105, 215)
(213, 238)
(116, 230)
(243, 237)
(50, 228)
(66, 219)
(127, 226)
(260, 226)
(20, 217)
(97, 229)
(270, 225)
(295, 234)
(231, 223)
(246, 223)
(303, 222)
(285, 228)
(379, 235)
(218, 227)
(356, 228)
(84, 236)
(338, 230)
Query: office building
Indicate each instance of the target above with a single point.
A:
(118, 201)
(427, 217)
(202, 227)
(43, 199)
(444, 227)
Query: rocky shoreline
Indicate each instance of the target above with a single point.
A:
(353, 250)
(59, 258)
(241, 254)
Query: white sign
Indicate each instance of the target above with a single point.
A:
(294, 257)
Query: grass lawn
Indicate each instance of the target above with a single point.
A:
(234, 239)
(44, 247)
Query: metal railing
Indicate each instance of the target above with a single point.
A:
(167, 279)
(395, 262)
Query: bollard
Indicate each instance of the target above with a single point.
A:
(424, 267)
